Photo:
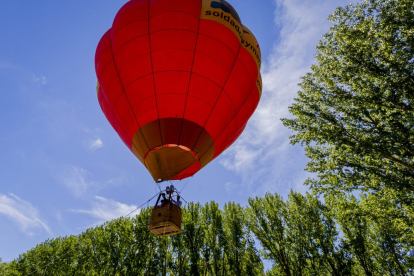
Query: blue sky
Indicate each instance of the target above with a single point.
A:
(64, 169)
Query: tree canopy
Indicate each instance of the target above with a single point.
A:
(354, 112)
(298, 236)
(355, 109)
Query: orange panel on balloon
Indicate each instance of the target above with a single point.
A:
(178, 81)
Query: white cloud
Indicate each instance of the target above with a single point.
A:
(104, 209)
(22, 213)
(41, 79)
(230, 186)
(95, 144)
(263, 153)
(77, 180)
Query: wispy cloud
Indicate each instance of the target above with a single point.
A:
(95, 144)
(77, 180)
(22, 213)
(39, 79)
(7, 65)
(263, 153)
(103, 209)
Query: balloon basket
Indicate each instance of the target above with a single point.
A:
(165, 220)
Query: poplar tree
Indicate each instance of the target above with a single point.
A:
(354, 112)
(355, 109)
(298, 235)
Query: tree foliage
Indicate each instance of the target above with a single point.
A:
(354, 112)
(355, 109)
(299, 236)
(212, 242)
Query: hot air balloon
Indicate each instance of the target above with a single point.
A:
(178, 81)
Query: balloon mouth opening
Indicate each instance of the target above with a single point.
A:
(171, 162)
(173, 146)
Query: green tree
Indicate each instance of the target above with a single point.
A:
(241, 256)
(3, 267)
(354, 113)
(355, 109)
(298, 235)
(215, 240)
(377, 244)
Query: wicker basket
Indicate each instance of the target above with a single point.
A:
(165, 220)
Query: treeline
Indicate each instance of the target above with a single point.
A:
(299, 236)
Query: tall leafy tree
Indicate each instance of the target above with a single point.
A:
(215, 240)
(376, 244)
(239, 249)
(355, 109)
(3, 267)
(298, 235)
(193, 233)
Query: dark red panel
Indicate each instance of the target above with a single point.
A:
(172, 82)
(114, 121)
(220, 33)
(172, 60)
(225, 140)
(171, 105)
(249, 63)
(188, 6)
(148, 117)
(135, 69)
(225, 108)
(197, 110)
(103, 45)
(235, 92)
(108, 75)
(204, 89)
(140, 89)
(135, 10)
(215, 125)
(174, 20)
(243, 77)
(114, 89)
(215, 49)
(122, 110)
(144, 106)
(128, 33)
(211, 69)
(103, 62)
(173, 39)
(133, 49)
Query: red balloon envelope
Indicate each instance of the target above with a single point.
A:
(178, 81)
